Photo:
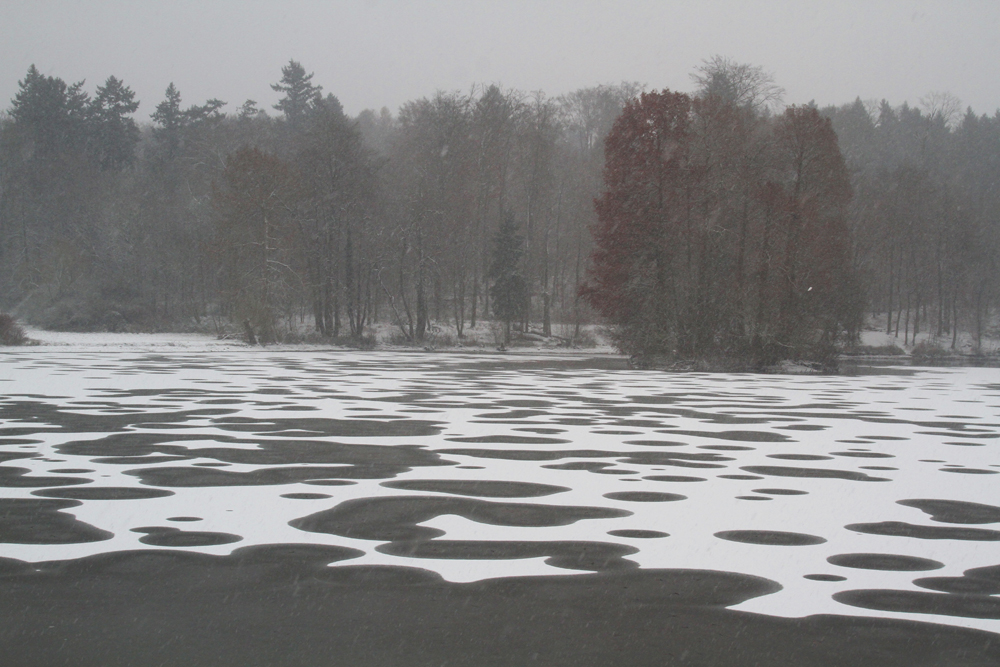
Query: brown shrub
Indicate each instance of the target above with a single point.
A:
(11, 332)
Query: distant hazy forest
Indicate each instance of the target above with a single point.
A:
(302, 221)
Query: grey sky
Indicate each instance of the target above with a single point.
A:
(384, 53)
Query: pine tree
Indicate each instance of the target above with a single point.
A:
(52, 116)
(249, 111)
(115, 133)
(171, 119)
(207, 112)
(300, 94)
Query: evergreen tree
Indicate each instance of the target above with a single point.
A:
(207, 112)
(300, 94)
(171, 120)
(51, 116)
(249, 110)
(115, 133)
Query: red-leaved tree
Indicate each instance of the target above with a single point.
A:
(641, 220)
(722, 233)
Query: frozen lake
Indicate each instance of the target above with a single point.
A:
(866, 495)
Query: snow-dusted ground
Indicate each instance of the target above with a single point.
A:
(965, 343)
(485, 337)
(242, 445)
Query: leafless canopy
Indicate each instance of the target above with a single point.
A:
(942, 106)
(747, 86)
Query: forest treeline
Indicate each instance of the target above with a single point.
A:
(465, 206)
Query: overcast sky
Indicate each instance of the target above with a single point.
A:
(386, 52)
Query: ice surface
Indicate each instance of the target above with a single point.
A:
(231, 431)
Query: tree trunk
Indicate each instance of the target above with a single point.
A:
(546, 319)
(475, 299)
(979, 320)
(248, 332)
(906, 329)
(352, 306)
(954, 318)
(459, 302)
(888, 308)
(940, 304)
(327, 300)
(421, 296)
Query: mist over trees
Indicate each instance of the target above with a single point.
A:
(926, 213)
(722, 232)
(724, 224)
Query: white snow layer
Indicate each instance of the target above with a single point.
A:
(916, 425)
